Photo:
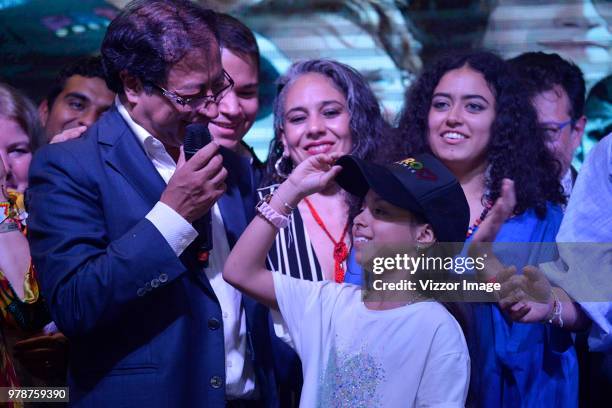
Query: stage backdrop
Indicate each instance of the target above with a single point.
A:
(387, 40)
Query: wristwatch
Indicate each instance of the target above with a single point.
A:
(268, 213)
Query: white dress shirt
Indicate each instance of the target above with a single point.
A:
(584, 242)
(239, 374)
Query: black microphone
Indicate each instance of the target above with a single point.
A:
(196, 137)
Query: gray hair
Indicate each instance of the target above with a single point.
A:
(366, 121)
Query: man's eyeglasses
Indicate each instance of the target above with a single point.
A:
(552, 130)
(197, 100)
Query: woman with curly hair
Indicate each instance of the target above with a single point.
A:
(470, 112)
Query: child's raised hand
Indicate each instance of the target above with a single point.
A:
(314, 174)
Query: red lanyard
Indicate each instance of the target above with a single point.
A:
(340, 249)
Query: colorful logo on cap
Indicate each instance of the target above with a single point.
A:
(417, 168)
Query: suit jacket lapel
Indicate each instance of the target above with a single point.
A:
(232, 212)
(232, 203)
(124, 153)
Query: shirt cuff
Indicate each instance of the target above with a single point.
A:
(174, 228)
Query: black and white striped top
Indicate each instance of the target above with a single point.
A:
(292, 253)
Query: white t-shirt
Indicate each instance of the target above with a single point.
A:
(352, 356)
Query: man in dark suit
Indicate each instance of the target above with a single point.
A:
(112, 236)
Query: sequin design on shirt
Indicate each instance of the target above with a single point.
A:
(351, 379)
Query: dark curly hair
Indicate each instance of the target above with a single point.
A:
(540, 72)
(513, 151)
(368, 127)
(149, 36)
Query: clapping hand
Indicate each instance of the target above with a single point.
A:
(487, 231)
(502, 209)
(528, 297)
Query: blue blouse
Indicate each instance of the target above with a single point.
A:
(522, 364)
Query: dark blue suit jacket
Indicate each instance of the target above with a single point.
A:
(144, 325)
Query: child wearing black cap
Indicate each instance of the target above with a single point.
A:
(398, 351)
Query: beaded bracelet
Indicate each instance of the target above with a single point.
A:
(288, 208)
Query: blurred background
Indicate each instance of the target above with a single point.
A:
(387, 40)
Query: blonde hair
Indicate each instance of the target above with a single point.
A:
(16, 106)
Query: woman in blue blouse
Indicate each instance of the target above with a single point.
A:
(468, 111)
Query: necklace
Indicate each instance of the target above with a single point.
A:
(472, 229)
(340, 249)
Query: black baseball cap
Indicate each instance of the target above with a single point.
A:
(420, 184)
